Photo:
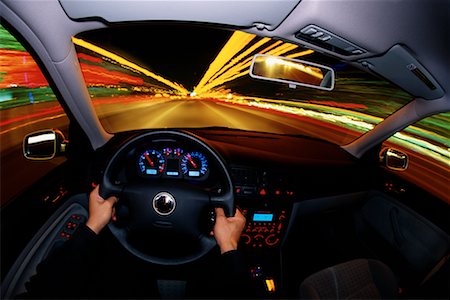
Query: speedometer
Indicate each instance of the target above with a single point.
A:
(194, 164)
(151, 162)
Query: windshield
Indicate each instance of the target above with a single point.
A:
(179, 76)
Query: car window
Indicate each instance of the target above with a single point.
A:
(427, 144)
(139, 78)
(27, 104)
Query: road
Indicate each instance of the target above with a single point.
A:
(133, 113)
(196, 113)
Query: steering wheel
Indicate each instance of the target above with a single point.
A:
(165, 222)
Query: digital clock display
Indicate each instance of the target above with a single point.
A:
(262, 217)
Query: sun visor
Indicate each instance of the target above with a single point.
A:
(233, 12)
(399, 66)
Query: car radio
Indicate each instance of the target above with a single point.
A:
(264, 228)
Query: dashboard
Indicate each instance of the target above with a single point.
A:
(269, 174)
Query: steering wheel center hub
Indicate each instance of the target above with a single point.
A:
(164, 203)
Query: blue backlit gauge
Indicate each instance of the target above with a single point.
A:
(194, 164)
(151, 163)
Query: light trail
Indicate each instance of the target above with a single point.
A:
(282, 49)
(244, 54)
(14, 64)
(421, 146)
(32, 122)
(127, 63)
(96, 75)
(234, 45)
(355, 121)
(303, 53)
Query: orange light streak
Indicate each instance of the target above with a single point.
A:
(32, 122)
(98, 75)
(19, 69)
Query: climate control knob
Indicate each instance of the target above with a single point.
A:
(272, 240)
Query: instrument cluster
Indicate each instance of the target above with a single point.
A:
(172, 162)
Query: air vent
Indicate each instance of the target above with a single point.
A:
(329, 41)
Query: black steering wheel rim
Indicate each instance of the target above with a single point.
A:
(225, 199)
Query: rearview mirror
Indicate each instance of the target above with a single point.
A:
(292, 71)
(394, 159)
(44, 144)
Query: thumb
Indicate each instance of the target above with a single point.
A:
(112, 200)
(219, 212)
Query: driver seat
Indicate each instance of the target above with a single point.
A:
(356, 279)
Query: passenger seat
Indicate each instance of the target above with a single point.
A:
(356, 279)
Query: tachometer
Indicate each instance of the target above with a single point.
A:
(194, 164)
(151, 162)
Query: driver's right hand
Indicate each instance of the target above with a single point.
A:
(227, 231)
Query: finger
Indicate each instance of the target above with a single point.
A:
(239, 214)
(219, 212)
(94, 192)
(113, 214)
(96, 195)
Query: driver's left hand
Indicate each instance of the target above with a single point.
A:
(101, 211)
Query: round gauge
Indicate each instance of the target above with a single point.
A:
(194, 164)
(151, 162)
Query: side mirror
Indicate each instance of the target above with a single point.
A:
(292, 71)
(394, 159)
(44, 144)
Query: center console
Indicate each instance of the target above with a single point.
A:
(266, 199)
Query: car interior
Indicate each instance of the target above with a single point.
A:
(324, 220)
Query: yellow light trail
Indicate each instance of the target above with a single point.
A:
(303, 53)
(233, 68)
(284, 48)
(233, 46)
(244, 54)
(128, 63)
